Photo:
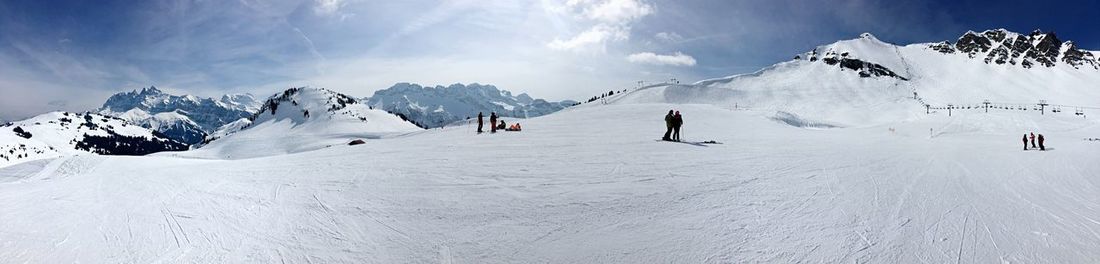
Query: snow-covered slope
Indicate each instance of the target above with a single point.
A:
(438, 106)
(61, 133)
(301, 119)
(184, 118)
(865, 81)
(564, 192)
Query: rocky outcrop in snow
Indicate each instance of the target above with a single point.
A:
(843, 59)
(437, 106)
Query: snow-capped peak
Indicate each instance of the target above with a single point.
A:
(868, 35)
(302, 119)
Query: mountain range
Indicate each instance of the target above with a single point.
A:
(437, 106)
(185, 118)
(857, 82)
(865, 81)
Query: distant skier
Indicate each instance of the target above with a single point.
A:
(677, 121)
(480, 122)
(1033, 140)
(1041, 145)
(493, 122)
(1025, 141)
(668, 126)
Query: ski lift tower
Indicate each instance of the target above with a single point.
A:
(673, 81)
(949, 106)
(986, 103)
(1042, 106)
(641, 83)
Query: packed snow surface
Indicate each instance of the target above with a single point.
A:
(565, 190)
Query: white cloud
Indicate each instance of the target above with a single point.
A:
(618, 11)
(612, 22)
(331, 8)
(327, 6)
(591, 40)
(674, 59)
(669, 36)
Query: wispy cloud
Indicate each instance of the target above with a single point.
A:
(674, 59)
(671, 37)
(612, 20)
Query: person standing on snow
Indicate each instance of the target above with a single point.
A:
(668, 126)
(480, 122)
(1033, 140)
(1025, 141)
(1041, 145)
(493, 122)
(677, 121)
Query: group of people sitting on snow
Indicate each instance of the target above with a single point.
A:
(493, 126)
(1041, 141)
(673, 121)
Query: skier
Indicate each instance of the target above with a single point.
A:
(677, 121)
(1025, 141)
(1033, 140)
(668, 126)
(480, 122)
(493, 122)
(1041, 145)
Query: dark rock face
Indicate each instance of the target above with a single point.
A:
(865, 69)
(1077, 58)
(1004, 47)
(943, 47)
(19, 132)
(972, 44)
(999, 55)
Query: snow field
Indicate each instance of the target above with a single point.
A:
(588, 184)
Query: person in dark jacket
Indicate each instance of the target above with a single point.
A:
(1041, 145)
(480, 122)
(668, 126)
(677, 121)
(1025, 141)
(493, 122)
(1033, 140)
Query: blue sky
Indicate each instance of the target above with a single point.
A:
(71, 55)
